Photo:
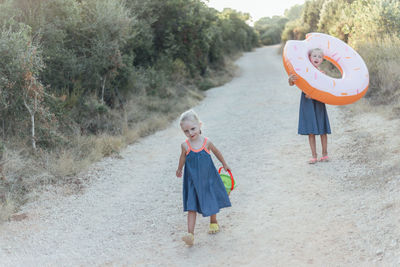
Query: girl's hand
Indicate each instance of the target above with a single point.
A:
(182, 160)
(292, 79)
(309, 97)
(226, 167)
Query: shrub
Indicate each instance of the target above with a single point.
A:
(270, 29)
(382, 57)
(22, 109)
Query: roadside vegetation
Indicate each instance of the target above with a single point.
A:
(80, 80)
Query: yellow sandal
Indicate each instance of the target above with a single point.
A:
(214, 228)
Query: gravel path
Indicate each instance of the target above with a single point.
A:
(285, 212)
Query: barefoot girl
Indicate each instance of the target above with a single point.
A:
(313, 117)
(203, 190)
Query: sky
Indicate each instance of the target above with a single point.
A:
(256, 8)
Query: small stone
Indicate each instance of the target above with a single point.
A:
(19, 217)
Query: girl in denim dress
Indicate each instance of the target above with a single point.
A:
(203, 189)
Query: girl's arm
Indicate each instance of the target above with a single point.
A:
(218, 154)
(182, 160)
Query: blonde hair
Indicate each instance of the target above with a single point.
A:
(316, 50)
(189, 115)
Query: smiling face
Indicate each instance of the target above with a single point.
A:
(316, 58)
(191, 129)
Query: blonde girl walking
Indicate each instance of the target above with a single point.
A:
(203, 190)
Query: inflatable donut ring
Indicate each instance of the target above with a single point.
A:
(348, 89)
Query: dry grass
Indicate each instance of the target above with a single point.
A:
(7, 207)
(382, 58)
(107, 145)
(17, 175)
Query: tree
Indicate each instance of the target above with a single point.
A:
(334, 18)
(270, 29)
(294, 12)
(311, 13)
(19, 83)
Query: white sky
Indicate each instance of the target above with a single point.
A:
(256, 8)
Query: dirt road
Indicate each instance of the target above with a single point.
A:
(285, 212)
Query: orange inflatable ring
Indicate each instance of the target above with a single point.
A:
(346, 90)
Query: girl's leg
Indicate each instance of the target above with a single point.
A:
(214, 227)
(313, 145)
(191, 221)
(213, 218)
(324, 143)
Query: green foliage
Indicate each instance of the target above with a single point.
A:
(19, 87)
(83, 44)
(383, 19)
(294, 12)
(334, 18)
(59, 37)
(307, 22)
(275, 29)
(93, 117)
(181, 31)
(190, 32)
(295, 30)
(270, 29)
(311, 13)
(354, 21)
(75, 61)
(236, 34)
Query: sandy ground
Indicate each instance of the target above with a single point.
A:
(285, 212)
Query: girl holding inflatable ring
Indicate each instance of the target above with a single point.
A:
(313, 117)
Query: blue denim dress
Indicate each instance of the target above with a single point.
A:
(313, 117)
(203, 190)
